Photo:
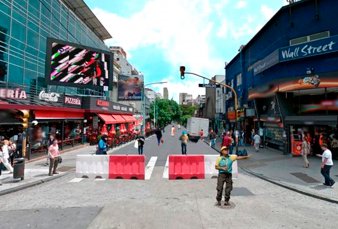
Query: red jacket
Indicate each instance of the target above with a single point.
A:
(227, 141)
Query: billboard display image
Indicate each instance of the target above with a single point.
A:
(78, 66)
(130, 87)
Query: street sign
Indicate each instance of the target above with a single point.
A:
(209, 85)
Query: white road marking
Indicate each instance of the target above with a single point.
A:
(150, 167)
(166, 169)
(76, 180)
(100, 179)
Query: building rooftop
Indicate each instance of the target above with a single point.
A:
(80, 8)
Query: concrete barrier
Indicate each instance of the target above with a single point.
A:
(92, 166)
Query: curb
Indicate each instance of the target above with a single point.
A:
(31, 184)
(61, 152)
(262, 177)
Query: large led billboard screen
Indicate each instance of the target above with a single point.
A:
(130, 87)
(74, 65)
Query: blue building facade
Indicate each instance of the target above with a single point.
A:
(286, 76)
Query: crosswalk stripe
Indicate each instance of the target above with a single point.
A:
(100, 179)
(150, 167)
(76, 180)
(166, 172)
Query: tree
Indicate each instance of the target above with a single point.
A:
(166, 111)
(188, 111)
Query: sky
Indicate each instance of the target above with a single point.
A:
(161, 35)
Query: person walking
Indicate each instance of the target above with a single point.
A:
(227, 141)
(5, 156)
(224, 166)
(184, 142)
(158, 133)
(201, 133)
(212, 137)
(140, 140)
(326, 165)
(257, 141)
(12, 152)
(102, 146)
(173, 131)
(305, 151)
(54, 154)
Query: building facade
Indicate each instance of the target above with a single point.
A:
(286, 77)
(165, 93)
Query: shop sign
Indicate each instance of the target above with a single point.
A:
(232, 115)
(124, 109)
(269, 61)
(102, 103)
(49, 97)
(12, 93)
(308, 49)
(116, 107)
(72, 101)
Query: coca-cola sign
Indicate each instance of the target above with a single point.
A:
(12, 93)
(49, 97)
(72, 101)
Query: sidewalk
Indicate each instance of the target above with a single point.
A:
(288, 171)
(36, 172)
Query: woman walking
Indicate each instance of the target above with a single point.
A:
(54, 154)
(305, 151)
(5, 156)
(224, 167)
(326, 165)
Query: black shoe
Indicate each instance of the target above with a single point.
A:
(218, 203)
(326, 184)
(55, 173)
(226, 203)
(332, 183)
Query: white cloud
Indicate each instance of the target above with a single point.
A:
(181, 28)
(223, 29)
(241, 4)
(267, 12)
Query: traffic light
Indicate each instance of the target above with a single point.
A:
(25, 118)
(182, 70)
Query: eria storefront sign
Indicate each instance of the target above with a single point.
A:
(73, 101)
(17, 93)
(309, 49)
(49, 97)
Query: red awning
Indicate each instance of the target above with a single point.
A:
(108, 119)
(129, 118)
(58, 115)
(119, 119)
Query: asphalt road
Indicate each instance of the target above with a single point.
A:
(160, 203)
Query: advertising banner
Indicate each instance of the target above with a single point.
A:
(130, 87)
(78, 66)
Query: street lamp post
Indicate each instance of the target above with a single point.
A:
(144, 105)
(183, 72)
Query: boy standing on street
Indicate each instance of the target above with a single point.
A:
(257, 141)
(224, 167)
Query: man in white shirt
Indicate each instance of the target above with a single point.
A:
(326, 165)
(257, 141)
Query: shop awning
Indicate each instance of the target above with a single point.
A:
(58, 115)
(129, 118)
(108, 119)
(119, 119)
(312, 120)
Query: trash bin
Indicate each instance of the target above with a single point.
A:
(19, 168)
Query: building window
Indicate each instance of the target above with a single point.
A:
(312, 37)
(239, 79)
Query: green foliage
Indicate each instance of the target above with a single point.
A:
(166, 111)
(188, 111)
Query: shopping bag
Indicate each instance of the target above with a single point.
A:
(136, 144)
